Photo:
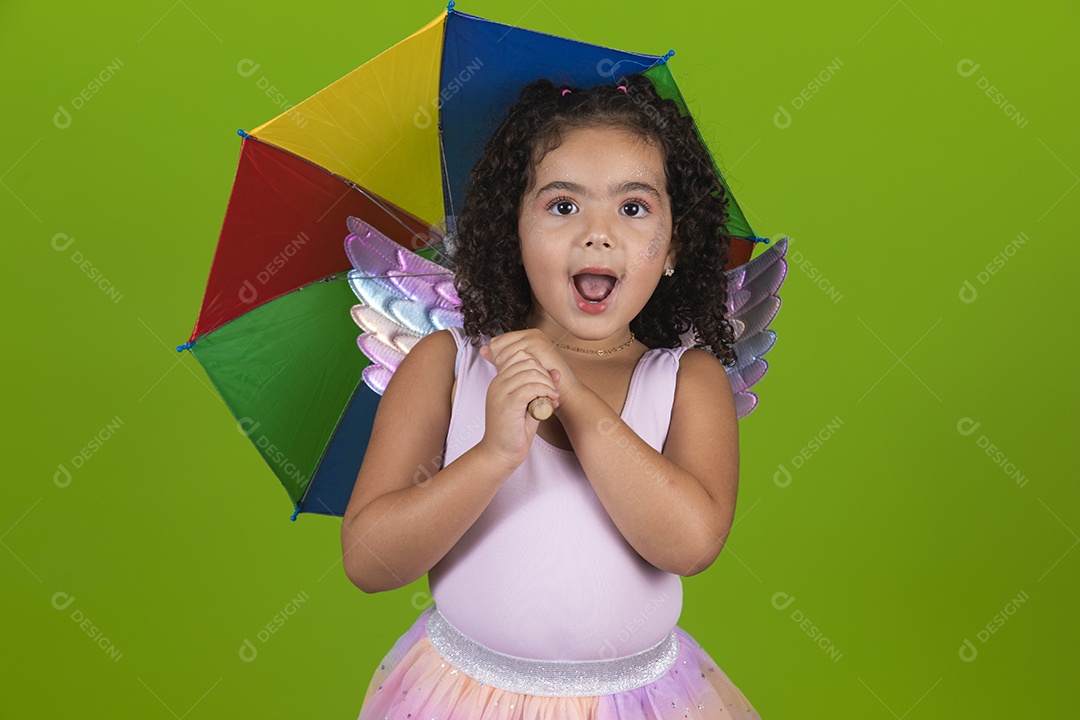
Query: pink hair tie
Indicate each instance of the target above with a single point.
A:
(566, 92)
(621, 87)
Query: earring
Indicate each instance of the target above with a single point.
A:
(669, 271)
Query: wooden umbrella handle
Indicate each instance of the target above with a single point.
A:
(541, 408)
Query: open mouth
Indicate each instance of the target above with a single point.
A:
(594, 288)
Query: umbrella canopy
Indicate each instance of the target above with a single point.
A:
(392, 142)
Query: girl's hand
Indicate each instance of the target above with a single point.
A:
(527, 368)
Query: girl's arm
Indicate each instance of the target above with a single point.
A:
(674, 508)
(405, 513)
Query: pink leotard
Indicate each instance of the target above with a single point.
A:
(544, 573)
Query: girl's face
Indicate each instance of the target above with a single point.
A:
(595, 232)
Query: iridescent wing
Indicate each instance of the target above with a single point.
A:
(753, 303)
(403, 297)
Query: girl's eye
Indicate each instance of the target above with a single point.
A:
(562, 206)
(633, 208)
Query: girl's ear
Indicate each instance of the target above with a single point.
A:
(671, 260)
(673, 247)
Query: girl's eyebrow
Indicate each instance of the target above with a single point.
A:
(629, 186)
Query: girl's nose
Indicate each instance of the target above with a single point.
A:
(597, 234)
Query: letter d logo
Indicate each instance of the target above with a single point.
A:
(61, 600)
(781, 600)
(967, 67)
(782, 477)
(968, 293)
(422, 118)
(247, 67)
(248, 651)
(966, 426)
(782, 118)
(62, 118)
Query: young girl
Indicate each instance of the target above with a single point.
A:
(591, 240)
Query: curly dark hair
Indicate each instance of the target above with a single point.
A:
(489, 275)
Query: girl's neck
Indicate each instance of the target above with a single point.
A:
(619, 343)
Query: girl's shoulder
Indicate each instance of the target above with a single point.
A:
(457, 334)
(432, 356)
(701, 372)
(437, 355)
(440, 339)
(703, 436)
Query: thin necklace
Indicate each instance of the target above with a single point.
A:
(592, 352)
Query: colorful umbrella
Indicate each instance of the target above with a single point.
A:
(389, 145)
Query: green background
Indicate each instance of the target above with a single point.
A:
(872, 502)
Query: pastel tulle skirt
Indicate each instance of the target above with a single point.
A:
(415, 682)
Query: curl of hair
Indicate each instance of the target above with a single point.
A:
(489, 275)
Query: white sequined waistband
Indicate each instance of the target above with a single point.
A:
(549, 678)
